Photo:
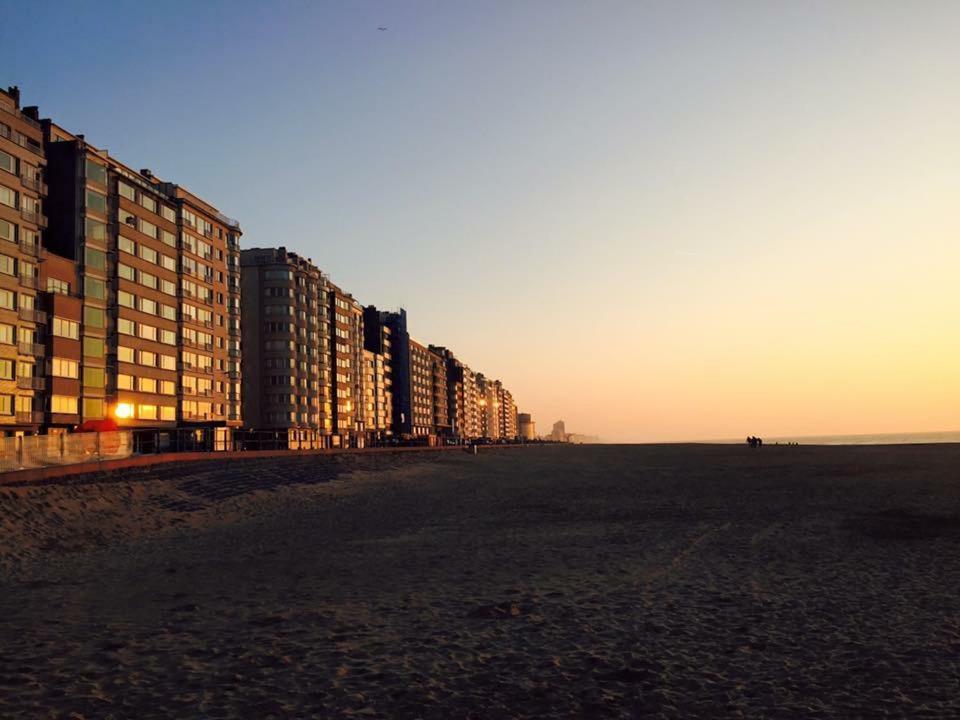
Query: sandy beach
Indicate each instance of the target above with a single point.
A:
(574, 582)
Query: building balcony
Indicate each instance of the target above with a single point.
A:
(31, 417)
(28, 281)
(31, 315)
(30, 248)
(33, 183)
(31, 383)
(36, 349)
(233, 374)
(33, 217)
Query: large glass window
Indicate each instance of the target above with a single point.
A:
(92, 347)
(6, 404)
(94, 317)
(8, 163)
(96, 259)
(126, 191)
(8, 300)
(6, 369)
(148, 202)
(96, 202)
(8, 231)
(95, 230)
(126, 272)
(95, 288)
(8, 266)
(96, 174)
(92, 408)
(62, 367)
(8, 197)
(93, 377)
(63, 404)
(66, 328)
(61, 287)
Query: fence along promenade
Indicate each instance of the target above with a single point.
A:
(37, 451)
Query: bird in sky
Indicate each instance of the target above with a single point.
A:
(382, 29)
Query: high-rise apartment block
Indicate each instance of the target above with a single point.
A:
(22, 219)
(286, 346)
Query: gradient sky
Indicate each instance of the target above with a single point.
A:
(658, 221)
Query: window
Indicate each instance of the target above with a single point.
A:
(93, 258)
(6, 369)
(127, 245)
(8, 265)
(126, 191)
(148, 228)
(168, 312)
(125, 354)
(24, 403)
(94, 317)
(61, 367)
(92, 347)
(169, 213)
(168, 412)
(148, 306)
(96, 174)
(63, 404)
(148, 254)
(25, 369)
(27, 270)
(126, 327)
(147, 384)
(95, 230)
(147, 332)
(8, 163)
(148, 358)
(168, 337)
(93, 377)
(126, 272)
(6, 404)
(8, 197)
(96, 202)
(148, 280)
(168, 287)
(8, 231)
(168, 362)
(168, 387)
(148, 202)
(147, 412)
(8, 300)
(60, 287)
(95, 288)
(125, 299)
(170, 263)
(124, 382)
(168, 238)
(92, 408)
(66, 328)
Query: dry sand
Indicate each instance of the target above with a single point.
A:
(670, 581)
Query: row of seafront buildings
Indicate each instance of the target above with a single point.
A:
(126, 296)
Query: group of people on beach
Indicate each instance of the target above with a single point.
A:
(754, 441)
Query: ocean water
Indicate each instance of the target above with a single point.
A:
(949, 436)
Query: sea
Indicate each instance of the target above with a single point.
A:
(948, 436)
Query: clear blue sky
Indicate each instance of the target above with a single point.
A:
(656, 220)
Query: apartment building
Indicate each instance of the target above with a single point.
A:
(377, 377)
(378, 324)
(159, 321)
(455, 398)
(472, 422)
(507, 412)
(421, 389)
(287, 379)
(22, 220)
(346, 322)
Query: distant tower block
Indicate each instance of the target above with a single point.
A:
(526, 427)
(559, 433)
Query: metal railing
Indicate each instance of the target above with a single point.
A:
(27, 348)
(31, 383)
(34, 451)
(32, 315)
